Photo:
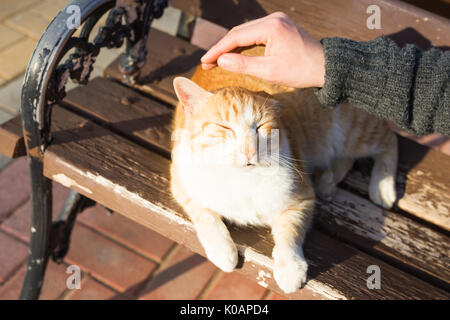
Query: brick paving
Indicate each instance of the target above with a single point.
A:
(119, 259)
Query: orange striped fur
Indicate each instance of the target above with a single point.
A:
(229, 113)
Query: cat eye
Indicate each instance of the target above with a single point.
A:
(263, 124)
(222, 126)
(219, 125)
(215, 124)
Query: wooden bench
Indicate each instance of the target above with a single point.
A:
(110, 143)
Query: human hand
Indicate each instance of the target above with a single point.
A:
(292, 56)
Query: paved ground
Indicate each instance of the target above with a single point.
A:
(118, 258)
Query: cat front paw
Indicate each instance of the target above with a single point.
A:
(290, 272)
(224, 256)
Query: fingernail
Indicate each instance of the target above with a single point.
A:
(224, 62)
(203, 58)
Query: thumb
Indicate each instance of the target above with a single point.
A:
(254, 66)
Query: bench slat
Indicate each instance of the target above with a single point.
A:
(382, 231)
(422, 187)
(168, 57)
(416, 162)
(398, 239)
(11, 137)
(333, 18)
(134, 181)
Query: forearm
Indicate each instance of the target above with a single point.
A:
(406, 86)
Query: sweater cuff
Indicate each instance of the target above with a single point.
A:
(333, 91)
(355, 70)
(374, 75)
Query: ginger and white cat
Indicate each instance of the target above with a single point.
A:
(245, 150)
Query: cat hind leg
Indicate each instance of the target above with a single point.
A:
(328, 179)
(382, 181)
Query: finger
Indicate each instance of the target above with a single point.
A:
(246, 36)
(252, 22)
(249, 23)
(259, 67)
(208, 66)
(213, 53)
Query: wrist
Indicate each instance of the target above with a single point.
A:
(319, 62)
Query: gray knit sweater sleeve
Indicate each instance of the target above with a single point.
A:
(405, 85)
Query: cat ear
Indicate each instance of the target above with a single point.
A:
(189, 93)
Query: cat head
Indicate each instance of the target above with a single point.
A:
(229, 126)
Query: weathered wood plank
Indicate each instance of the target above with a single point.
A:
(382, 231)
(12, 144)
(125, 111)
(358, 221)
(423, 187)
(441, 7)
(168, 57)
(134, 181)
(332, 18)
(427, 198)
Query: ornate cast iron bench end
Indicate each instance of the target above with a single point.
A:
(44, 86)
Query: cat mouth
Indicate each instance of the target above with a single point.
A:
(245, 166)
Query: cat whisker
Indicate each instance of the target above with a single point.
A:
(291, 159)
(285, 162)
(265, 101)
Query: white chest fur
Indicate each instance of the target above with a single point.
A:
(242, 195)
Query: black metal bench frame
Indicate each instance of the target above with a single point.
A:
(44, 86)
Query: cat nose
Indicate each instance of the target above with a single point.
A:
(249, 149)
(250, 154)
